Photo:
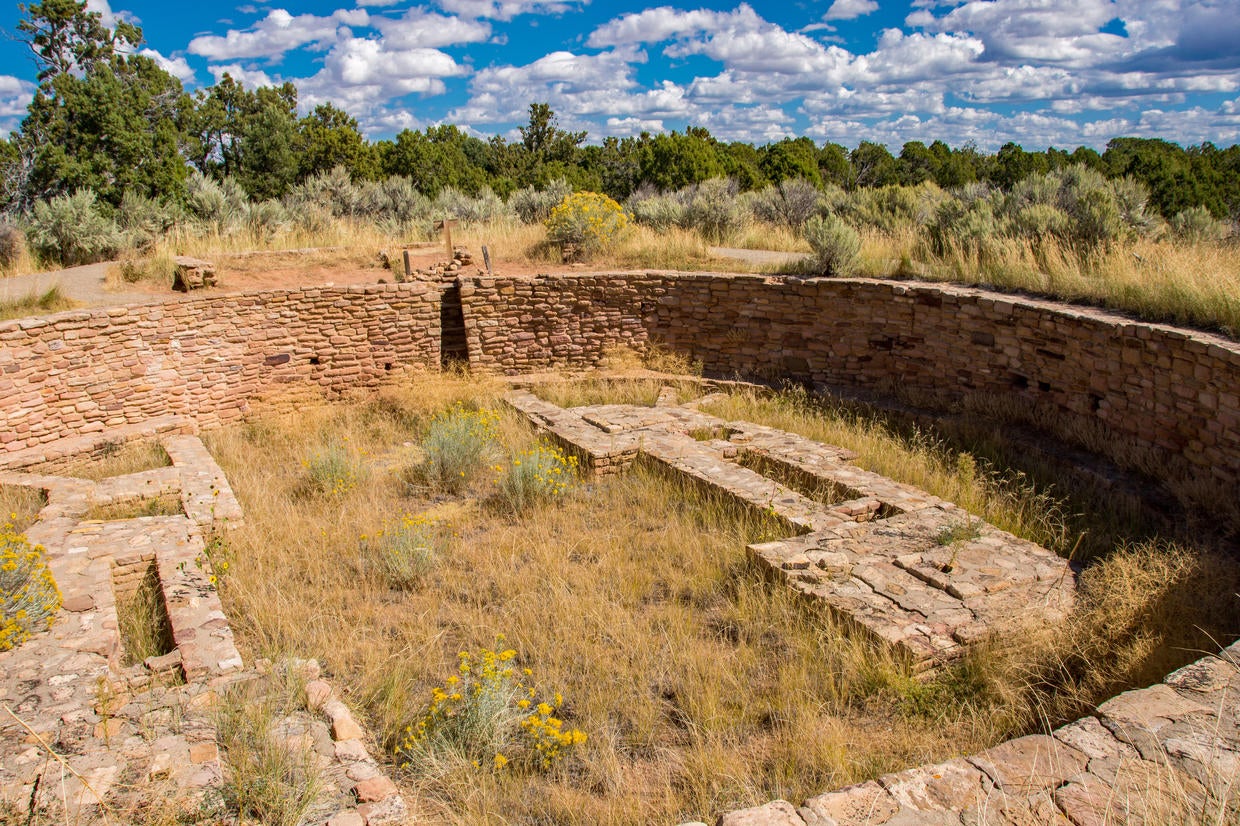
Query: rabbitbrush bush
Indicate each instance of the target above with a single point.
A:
(585, 224)
(29, 598)
(405, 552)
(540, 474)
(489, 714)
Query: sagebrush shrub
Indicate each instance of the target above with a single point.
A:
(835, 244)
(533, 206)
(486, 206)
(789, 203)
(458, 444)
(72, 229)
(29, 598)
(215, 206)
(12, 244)
(143, 220)
(714, 210)
(585, 223)
(1196, 225)
(267, 219)
(659, 212)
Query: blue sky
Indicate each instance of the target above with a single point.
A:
(1037, 72)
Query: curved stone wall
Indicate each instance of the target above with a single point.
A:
(1151, 396)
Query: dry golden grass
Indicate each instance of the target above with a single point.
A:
(701, 686)
(51, 300)
(117, 459)
(1193, 284)
(20, 505)
(1008, 501)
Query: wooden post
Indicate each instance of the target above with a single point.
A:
(486, 258)
(408, 267)
(446, 226)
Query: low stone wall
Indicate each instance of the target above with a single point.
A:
(79, 372)
(1150, 396)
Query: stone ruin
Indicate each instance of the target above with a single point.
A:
(117, 729)
(72, 383)
(192, 274)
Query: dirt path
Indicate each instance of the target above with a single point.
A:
(758, 257)
(84, 284)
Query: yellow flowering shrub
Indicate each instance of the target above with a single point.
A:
(458, 444)
(404, 552)
(585, 223)
(29, 598)
(333, 471)
(540, 474)
(490, 715)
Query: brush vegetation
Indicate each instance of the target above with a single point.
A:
(695, 684)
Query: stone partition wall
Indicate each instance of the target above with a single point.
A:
(79, 372)
(1159, 398)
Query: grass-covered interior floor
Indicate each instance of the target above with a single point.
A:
(698, 686)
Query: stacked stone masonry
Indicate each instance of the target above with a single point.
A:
(1150, 396)
(80, 372)
(878, 554)
(1165, 754)
(88, 733)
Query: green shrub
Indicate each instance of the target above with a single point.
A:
(29, 598)
(538, 475)
(71, 229)
(1196, 225)
(533, 206)
(835, 244)
(488, 714)
(404, 553)
(714, 210)
(12, 245)
(585, 224)
(143, 220)
(789, 203)
(659, 212)
(458, 445)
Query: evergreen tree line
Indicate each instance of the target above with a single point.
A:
(111, 121)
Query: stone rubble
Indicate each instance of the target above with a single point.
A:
(88, 735)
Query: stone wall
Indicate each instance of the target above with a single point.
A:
(1151, 396)
(80, 372)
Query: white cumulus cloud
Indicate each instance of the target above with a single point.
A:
(278, 33)
(850, 9)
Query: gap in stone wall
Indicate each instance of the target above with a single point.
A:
(142, 615)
